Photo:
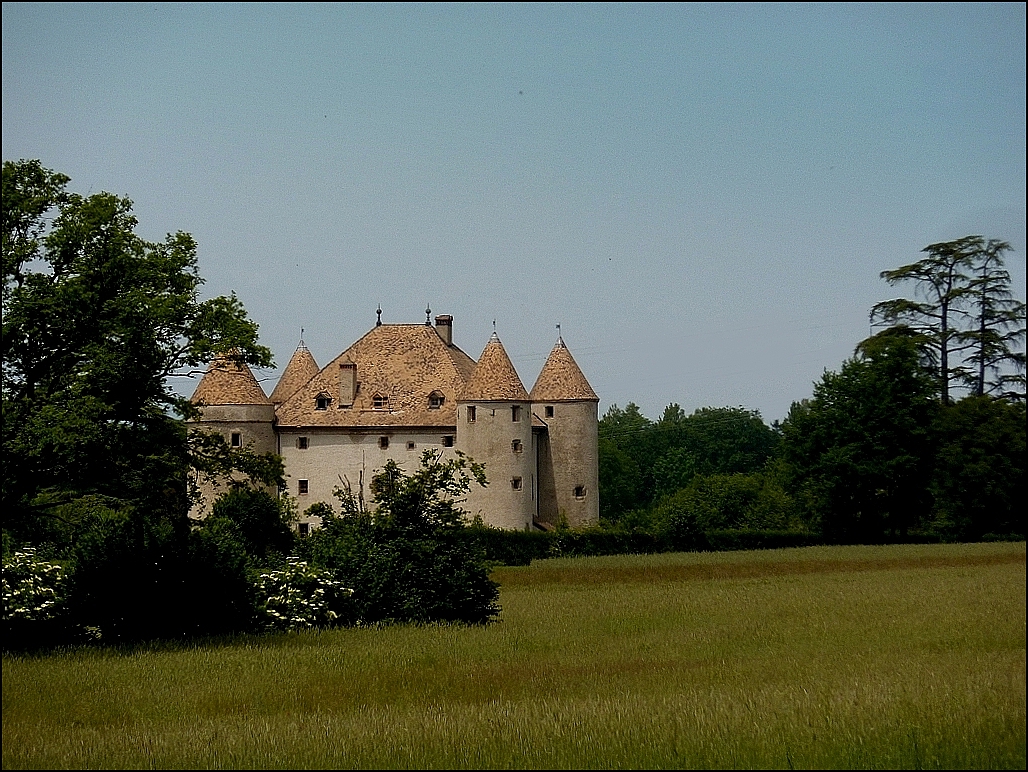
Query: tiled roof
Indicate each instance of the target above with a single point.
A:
(229, 382)
(403, 364)
(495, 377)
(301, 368)
(561, 379)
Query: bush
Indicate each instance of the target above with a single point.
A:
(300, 596)
(411, 559)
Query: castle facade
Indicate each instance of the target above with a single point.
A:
(402, 389)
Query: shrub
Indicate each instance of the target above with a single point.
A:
(34, 590)
(301, 596)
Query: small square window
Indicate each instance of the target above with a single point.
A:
(579, 491)
(472, 414)
(515, 483)
(549, 411)
(302, 443)
(516, 446)
(237, 440)
(303, 529)
(410, 445)
(303, 487)
(448, 441)
(515, 413)
(383, 442)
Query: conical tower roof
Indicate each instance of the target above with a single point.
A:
(494, 378)
(229, 382)
(561, 379)
(301, 368)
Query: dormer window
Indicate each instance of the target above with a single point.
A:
(436, 400)
(322, 401)
(380, 402)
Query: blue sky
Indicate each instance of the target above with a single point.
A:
(702, 196)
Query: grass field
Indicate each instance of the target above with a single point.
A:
(898, 656)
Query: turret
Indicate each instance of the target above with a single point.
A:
(494, 427)
(568, 447)
(301, 368)
(234, 405)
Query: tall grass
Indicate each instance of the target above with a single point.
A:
(902, 656)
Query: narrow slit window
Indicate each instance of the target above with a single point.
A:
(515, 413)
(237, 440)
(472, 414)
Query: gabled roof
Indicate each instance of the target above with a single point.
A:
(402, 363)
(495, 378)
(301, 368)
(229, 382)
(561, 379)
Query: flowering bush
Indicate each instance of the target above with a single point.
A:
(34, 590)
(300, 596)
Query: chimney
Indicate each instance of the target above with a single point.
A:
(444, 326)
(347, 383)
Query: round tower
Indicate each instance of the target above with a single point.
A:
(232, 404)
(569, 477)
(494, 427)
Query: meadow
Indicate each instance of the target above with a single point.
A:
(907, 656)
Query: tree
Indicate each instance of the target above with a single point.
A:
(964, 314)
(95, 320)
(998, 326)
(411, 558)
(942, 281)
(979, 478)
(860, 452)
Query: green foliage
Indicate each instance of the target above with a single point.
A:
(641, 461)
(95, 321)
(410, 559)
(860, 451)
(300, 596)
(259, 521)
(979, 481)
(34, 590)
(963, 314)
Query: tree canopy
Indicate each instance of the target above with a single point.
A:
(95, 320)
(964, 314)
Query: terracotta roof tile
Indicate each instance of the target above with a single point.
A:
(402, 364)
(229, 382)
(495, 377)
(561, 379)
(301, 368)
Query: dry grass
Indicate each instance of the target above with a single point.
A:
(903, 656)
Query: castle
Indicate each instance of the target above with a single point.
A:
(405, 388)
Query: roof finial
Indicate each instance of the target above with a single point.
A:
(428, 314)
(379, 322)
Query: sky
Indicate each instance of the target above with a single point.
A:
(701, 196)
